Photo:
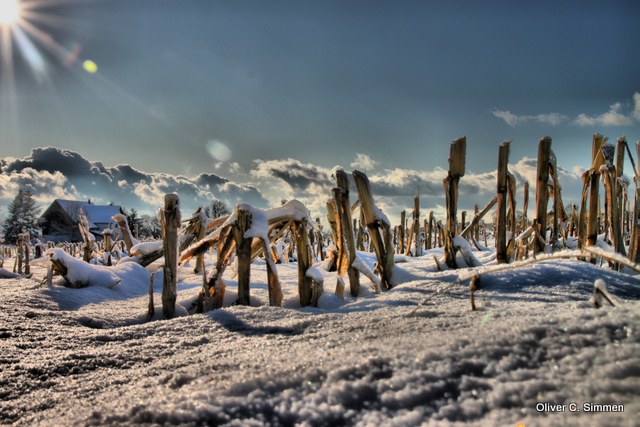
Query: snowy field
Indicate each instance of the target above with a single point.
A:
(87, 356)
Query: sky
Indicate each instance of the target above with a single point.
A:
(259, 101)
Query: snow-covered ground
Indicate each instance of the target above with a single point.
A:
(87, 356)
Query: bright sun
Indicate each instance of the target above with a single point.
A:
(9, 11)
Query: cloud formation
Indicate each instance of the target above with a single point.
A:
(393, 189)
(527, 170)
(363, 162)
(513, 120)
(613, 117)
(297, 176)
(290, 178)
(42, 184)
(52, 173)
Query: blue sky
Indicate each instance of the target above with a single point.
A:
(271, 96)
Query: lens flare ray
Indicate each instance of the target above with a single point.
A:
(8, 105)
(30, 54)
(24, 33)
(46, 18)
(17, 29)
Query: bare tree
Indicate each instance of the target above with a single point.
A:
(216, 209)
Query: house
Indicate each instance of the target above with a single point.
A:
(60, 221)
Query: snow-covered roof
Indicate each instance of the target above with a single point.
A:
(96, 214)
(72, 207)
(68, 204)
(100, 214)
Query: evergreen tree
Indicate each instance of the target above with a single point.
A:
(132, 218)
(22, 217)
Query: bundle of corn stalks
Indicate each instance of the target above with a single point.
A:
(249, 232)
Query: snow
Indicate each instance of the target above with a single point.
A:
(314, 274)
(293, 209)
(150, 247)
(381, 216)
(363, 268)
(326, 264)
(571, 243)
(87, 356)
(466, 252)
(529, 231)
(259, 222)
(600, 291)
(624, 180)
(281, 250)
(79, 273)
(146, 247)
(600, 243)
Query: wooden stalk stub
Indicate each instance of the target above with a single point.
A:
(383, 247)
(457, 156)
(343, 215)
(243, 252)
(305, 283)
(456, 170)
(634, 243)
(171, 225)
(542, 193)
(501, 228)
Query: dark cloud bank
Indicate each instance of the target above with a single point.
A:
(55, 173)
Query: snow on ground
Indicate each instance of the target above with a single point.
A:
(87, 356)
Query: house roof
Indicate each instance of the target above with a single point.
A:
(72, 207)
(96, 214)
(100, 214)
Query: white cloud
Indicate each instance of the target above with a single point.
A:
(553, 119)
(636, 110)
(513, 120)
(234, 168)
(613, 117)
(148, 194)
(578, 170)
(44, 185)
(363, 162)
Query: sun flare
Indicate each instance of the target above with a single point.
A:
(9, 11)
